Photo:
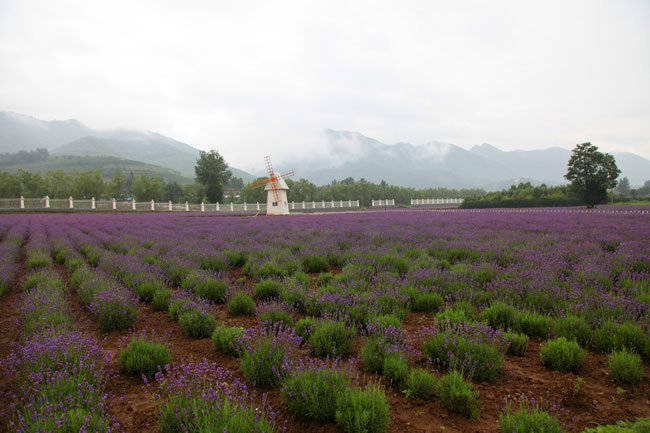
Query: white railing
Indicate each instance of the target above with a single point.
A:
(386, 202)
(168, 206)
(429, 201)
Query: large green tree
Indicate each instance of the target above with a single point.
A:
(591, 173)
(147, 188)
(212, 172)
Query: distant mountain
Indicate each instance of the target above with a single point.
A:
(107, 164)
(71, 137)
(437, 164)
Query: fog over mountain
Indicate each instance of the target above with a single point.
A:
(438, 164)
(350, 154)
(71, 137)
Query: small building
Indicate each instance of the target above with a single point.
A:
(276, 197)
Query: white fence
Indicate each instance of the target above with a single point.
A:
(425, 201)
(377, 203)
(132, 205)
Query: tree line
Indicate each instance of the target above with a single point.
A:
(351, 189)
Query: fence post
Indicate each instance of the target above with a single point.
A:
(92, 203)
(133, 204)
(22, 202)
(357, 203)
(217, 206)
(257, 206)
(70, 203)
(47, 202)
(169, 205)
(293, 205)
(313, 205)
(187, 207)
(323, 204)
(232, 207)
(303, 204)
(114, 204)
(202, 207)
(245, 206)
(153, 205)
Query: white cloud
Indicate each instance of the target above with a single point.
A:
(252, 78)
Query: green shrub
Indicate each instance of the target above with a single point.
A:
(561, 354)
(177, 273)
(324, 278)
(331, 339)
(500, 315)
(241, 303)
(426, 301)
(147, 289)
(312, 394)
(304, 327)
(315, 264)
(420, 383)
(214, 263)
(518, 343)
(573, 328)
(266, 362)
(226, 339)
(161, 299)
(197, 323)
(81, 274)
(179, 306)
(40, 278)
(457, 395)
(143, 357)
(267, 289)
(38, 259)
(275, 317)
(625, 366)
(480, 361)
(373, 353)
(213, 289)
(529, 420)
(396, 368)
(294, 296)
(535, 324)
(363, 411)
(236, 258)
(613, 336)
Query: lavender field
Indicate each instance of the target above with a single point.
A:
(397, 321)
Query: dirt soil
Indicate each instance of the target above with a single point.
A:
(597, 400)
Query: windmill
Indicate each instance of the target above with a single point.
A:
(276, 190)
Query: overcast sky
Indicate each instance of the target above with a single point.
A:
(251, 78)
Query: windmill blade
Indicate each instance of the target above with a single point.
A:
(269, 166)
(274, 187)
(285, 174)
(259, 182)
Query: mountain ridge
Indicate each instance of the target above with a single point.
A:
(350, 154)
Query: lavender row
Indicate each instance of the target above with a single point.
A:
(60, 371)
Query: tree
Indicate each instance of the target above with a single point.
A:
(146, 188)
(87, 184)
(59, 184)
(212, 172)
(173, 192)
(32, 184)
(591, 173)
(9, 185)
(117, 184)
(623, 187)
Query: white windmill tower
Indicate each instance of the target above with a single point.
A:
(276, 190)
